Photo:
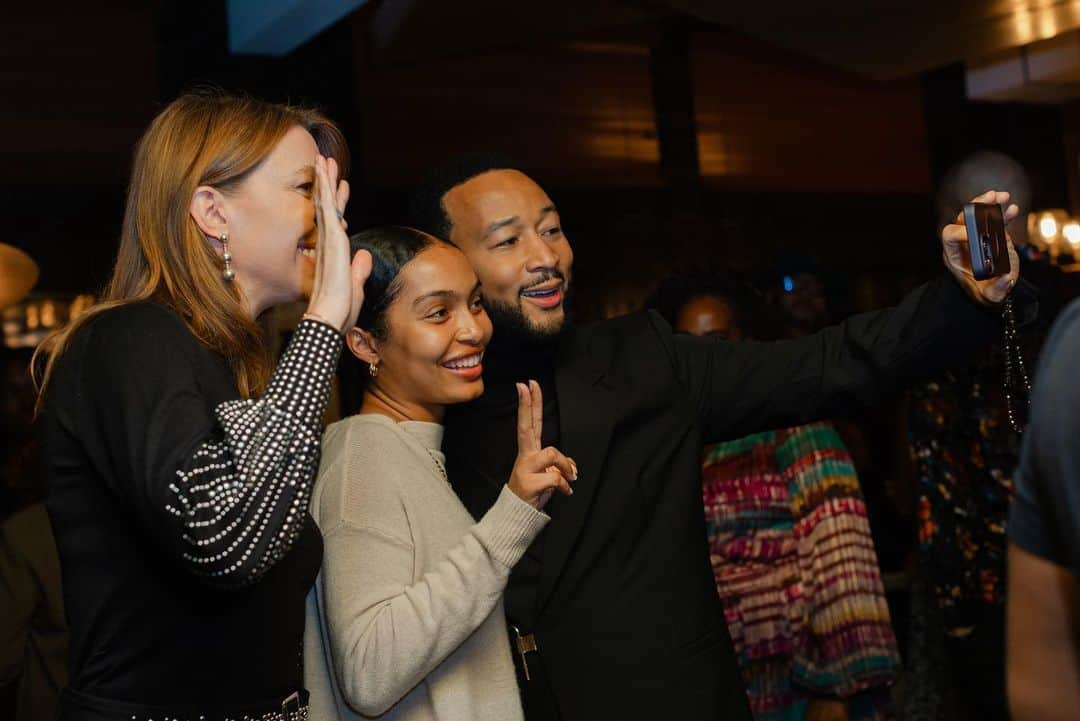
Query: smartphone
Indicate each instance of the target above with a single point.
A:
(986, 240)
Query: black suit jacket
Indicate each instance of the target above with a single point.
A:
(628, 621)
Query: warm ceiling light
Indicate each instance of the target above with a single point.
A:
(1047, 25)
(1048, 227)
(1071, 231)
(1025, 29)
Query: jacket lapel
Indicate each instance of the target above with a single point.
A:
(586, 418)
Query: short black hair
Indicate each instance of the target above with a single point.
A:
(391, 247)
(426, 209)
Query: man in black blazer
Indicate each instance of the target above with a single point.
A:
(613, 611)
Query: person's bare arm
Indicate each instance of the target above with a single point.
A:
(1043, 657)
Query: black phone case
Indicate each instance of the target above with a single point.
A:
(986, 239)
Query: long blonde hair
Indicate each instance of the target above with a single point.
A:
(204, 138)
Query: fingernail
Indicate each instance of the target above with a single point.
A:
(574, 467)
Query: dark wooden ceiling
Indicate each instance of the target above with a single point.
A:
(889, 38)
(878, 38)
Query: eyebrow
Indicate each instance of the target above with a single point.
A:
(498, 225)
(443, 294)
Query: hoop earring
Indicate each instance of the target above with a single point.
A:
(373, 369)
(228, 273)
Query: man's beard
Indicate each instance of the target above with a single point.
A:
(514, 329)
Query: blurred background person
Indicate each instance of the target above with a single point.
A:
(33, 633)
(797, 293)
(789, 542)
(963, 452)
(799, 296)
(1044, 540)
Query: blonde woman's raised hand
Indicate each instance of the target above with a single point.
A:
(338, 290)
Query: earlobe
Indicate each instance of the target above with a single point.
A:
(208, 212)
(363, 345)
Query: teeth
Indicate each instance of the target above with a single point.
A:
(467, 362)
(549, 291)
(309, 252)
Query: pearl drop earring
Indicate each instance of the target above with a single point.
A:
(228, 273)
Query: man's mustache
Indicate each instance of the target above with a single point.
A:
(545, 277)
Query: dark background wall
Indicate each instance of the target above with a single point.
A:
(766, 155)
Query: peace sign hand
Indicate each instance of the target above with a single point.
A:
(538, 472)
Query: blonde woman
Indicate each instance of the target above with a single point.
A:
(179, 460)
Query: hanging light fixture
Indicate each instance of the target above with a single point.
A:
(18, 273)
(1056, 234)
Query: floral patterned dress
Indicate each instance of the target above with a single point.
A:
(964, 453)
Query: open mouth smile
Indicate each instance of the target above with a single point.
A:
(468, 367)
(546, 296)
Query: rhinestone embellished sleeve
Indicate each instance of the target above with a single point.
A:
(242, 499)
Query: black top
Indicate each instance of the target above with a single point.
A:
(180, 512)
(1045, 516)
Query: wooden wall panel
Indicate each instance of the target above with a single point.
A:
(768, 120)
(79, 85)
(576, 114)
(580, 114)
(892, 39)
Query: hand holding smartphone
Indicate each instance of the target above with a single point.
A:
(986, 240)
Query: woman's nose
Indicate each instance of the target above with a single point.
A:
(469, 330)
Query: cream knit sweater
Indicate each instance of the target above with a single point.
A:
(406, 617)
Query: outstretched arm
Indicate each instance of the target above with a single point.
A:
(744, 387)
